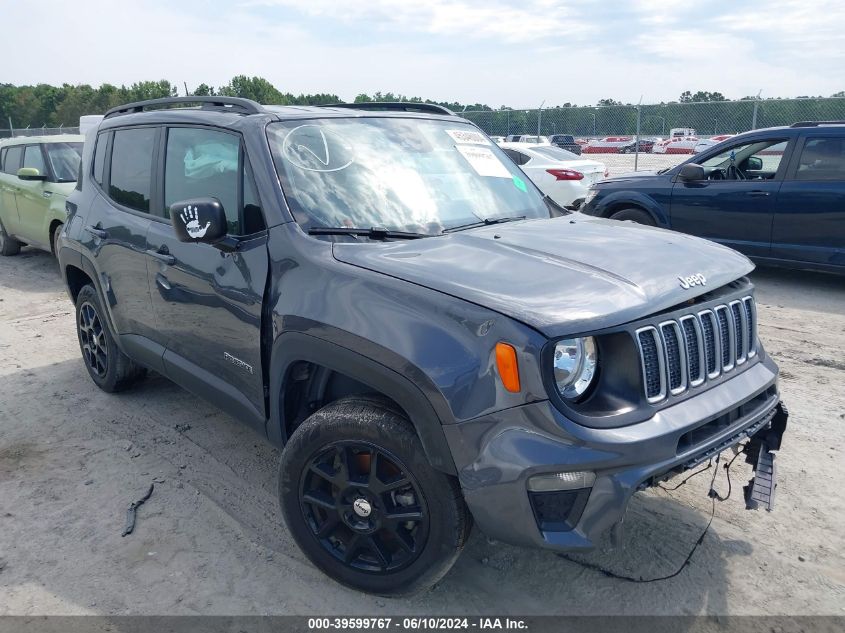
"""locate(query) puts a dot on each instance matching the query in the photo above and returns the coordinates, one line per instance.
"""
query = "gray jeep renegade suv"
(379, 291)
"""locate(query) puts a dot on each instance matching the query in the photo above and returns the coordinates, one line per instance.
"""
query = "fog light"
(548, 482)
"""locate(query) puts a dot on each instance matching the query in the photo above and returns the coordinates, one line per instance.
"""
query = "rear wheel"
(634, 215)
(364, 504)
(107, 365)
(8, 245)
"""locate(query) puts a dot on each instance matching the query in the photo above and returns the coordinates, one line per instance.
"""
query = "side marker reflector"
(508, 368)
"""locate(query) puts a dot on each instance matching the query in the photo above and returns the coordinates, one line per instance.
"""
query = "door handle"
(162, 255)
(97, 232)
(758, 194)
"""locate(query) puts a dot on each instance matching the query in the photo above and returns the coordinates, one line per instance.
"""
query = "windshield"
(64, 159)
(555, 153)
(400, 174)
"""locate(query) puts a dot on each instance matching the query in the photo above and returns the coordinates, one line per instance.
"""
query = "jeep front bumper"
(497, 455)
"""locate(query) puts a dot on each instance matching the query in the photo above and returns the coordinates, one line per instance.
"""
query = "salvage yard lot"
(210, 540)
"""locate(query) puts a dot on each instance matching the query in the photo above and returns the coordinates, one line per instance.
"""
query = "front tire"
(8, 245)
(634, 215)
(363, 503)
(109, 368)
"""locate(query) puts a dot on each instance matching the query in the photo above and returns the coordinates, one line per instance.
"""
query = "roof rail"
(816, 123)
(234, 104)
(398, 106)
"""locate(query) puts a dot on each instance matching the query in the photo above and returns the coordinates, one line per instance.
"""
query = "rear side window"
(131, 168)
(822, 159)
(518, 157)
(13, 160)
(33, 157)
(100, 157)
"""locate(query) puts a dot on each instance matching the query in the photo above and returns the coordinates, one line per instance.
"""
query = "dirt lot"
(211, 541)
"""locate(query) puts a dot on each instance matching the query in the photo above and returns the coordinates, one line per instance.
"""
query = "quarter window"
(822, 159)
(13, 160)
(34, 158)
(2, 158)
(100, 157)
(131, 168)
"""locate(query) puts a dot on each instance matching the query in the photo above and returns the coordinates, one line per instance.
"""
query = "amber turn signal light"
(508, 369)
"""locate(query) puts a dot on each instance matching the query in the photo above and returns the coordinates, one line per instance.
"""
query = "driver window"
(203, 163)
(750, 161)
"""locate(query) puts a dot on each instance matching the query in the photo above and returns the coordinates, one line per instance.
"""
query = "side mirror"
(691, 171)
(753, 163)
(199, 220)
(30, 173)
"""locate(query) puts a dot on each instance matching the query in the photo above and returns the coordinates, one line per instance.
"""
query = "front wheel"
(364, 504)
(634, 215)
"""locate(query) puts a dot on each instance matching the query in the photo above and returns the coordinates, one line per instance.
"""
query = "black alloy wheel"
(364, 508)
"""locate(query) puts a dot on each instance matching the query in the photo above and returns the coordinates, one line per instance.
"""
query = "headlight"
(575, 364)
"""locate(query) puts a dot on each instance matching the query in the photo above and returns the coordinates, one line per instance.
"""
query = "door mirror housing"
(199, 220)
(753, 163)
(30, 173)
(691, 171)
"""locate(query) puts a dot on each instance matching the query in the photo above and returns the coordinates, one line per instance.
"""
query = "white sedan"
(561, 175)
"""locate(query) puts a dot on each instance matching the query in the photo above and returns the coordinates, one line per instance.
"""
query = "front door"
(9, 181)
(207, 302)
(734, 205)
(809, 222)
(33, 198)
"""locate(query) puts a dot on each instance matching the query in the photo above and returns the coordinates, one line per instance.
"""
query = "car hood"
(561, 276)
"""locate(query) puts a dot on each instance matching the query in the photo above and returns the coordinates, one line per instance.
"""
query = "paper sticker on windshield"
(468, 136)
(483, 161)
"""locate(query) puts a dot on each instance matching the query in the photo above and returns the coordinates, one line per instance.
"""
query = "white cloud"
(492, 52)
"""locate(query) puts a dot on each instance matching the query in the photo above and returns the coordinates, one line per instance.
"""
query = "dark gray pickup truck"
(380, 291)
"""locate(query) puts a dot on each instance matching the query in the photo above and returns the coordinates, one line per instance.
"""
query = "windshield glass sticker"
(468, 136)
(483, 161)
(519, 183)
(317, 148)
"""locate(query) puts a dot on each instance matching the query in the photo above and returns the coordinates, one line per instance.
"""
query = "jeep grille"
(687, 351)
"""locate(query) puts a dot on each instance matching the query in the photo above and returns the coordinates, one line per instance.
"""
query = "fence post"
(637, 138)
(754, 116)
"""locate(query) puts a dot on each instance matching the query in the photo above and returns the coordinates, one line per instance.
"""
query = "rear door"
(116, 228)
(208, 301)
(809, 218)
(735, 205)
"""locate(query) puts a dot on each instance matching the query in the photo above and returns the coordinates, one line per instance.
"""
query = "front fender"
(293, 347)
(614, 201)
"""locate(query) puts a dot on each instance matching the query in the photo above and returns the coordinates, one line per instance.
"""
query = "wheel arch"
(635, 200)
(305, 366)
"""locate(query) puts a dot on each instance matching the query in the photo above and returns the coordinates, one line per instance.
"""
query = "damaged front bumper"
(502, 458)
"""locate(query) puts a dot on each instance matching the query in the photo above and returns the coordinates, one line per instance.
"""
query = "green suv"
(36, 176)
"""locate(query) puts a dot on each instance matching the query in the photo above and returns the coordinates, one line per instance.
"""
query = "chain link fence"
(37, 131)
(644, 137)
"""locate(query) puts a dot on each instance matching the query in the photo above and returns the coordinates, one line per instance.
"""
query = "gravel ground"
(210, 539)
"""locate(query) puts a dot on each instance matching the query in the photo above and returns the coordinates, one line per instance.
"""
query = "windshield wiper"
(484, 222)
(374, 232)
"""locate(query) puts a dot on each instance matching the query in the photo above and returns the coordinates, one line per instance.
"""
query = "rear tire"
(345, 476)
(8, 245)
(634, 215)
(109, 368)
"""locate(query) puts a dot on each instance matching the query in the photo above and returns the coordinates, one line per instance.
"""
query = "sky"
(488, 51)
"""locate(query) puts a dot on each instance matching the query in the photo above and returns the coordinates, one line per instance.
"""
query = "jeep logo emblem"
(692, 280)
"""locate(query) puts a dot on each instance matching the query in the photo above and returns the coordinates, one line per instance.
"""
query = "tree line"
(44, 105)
